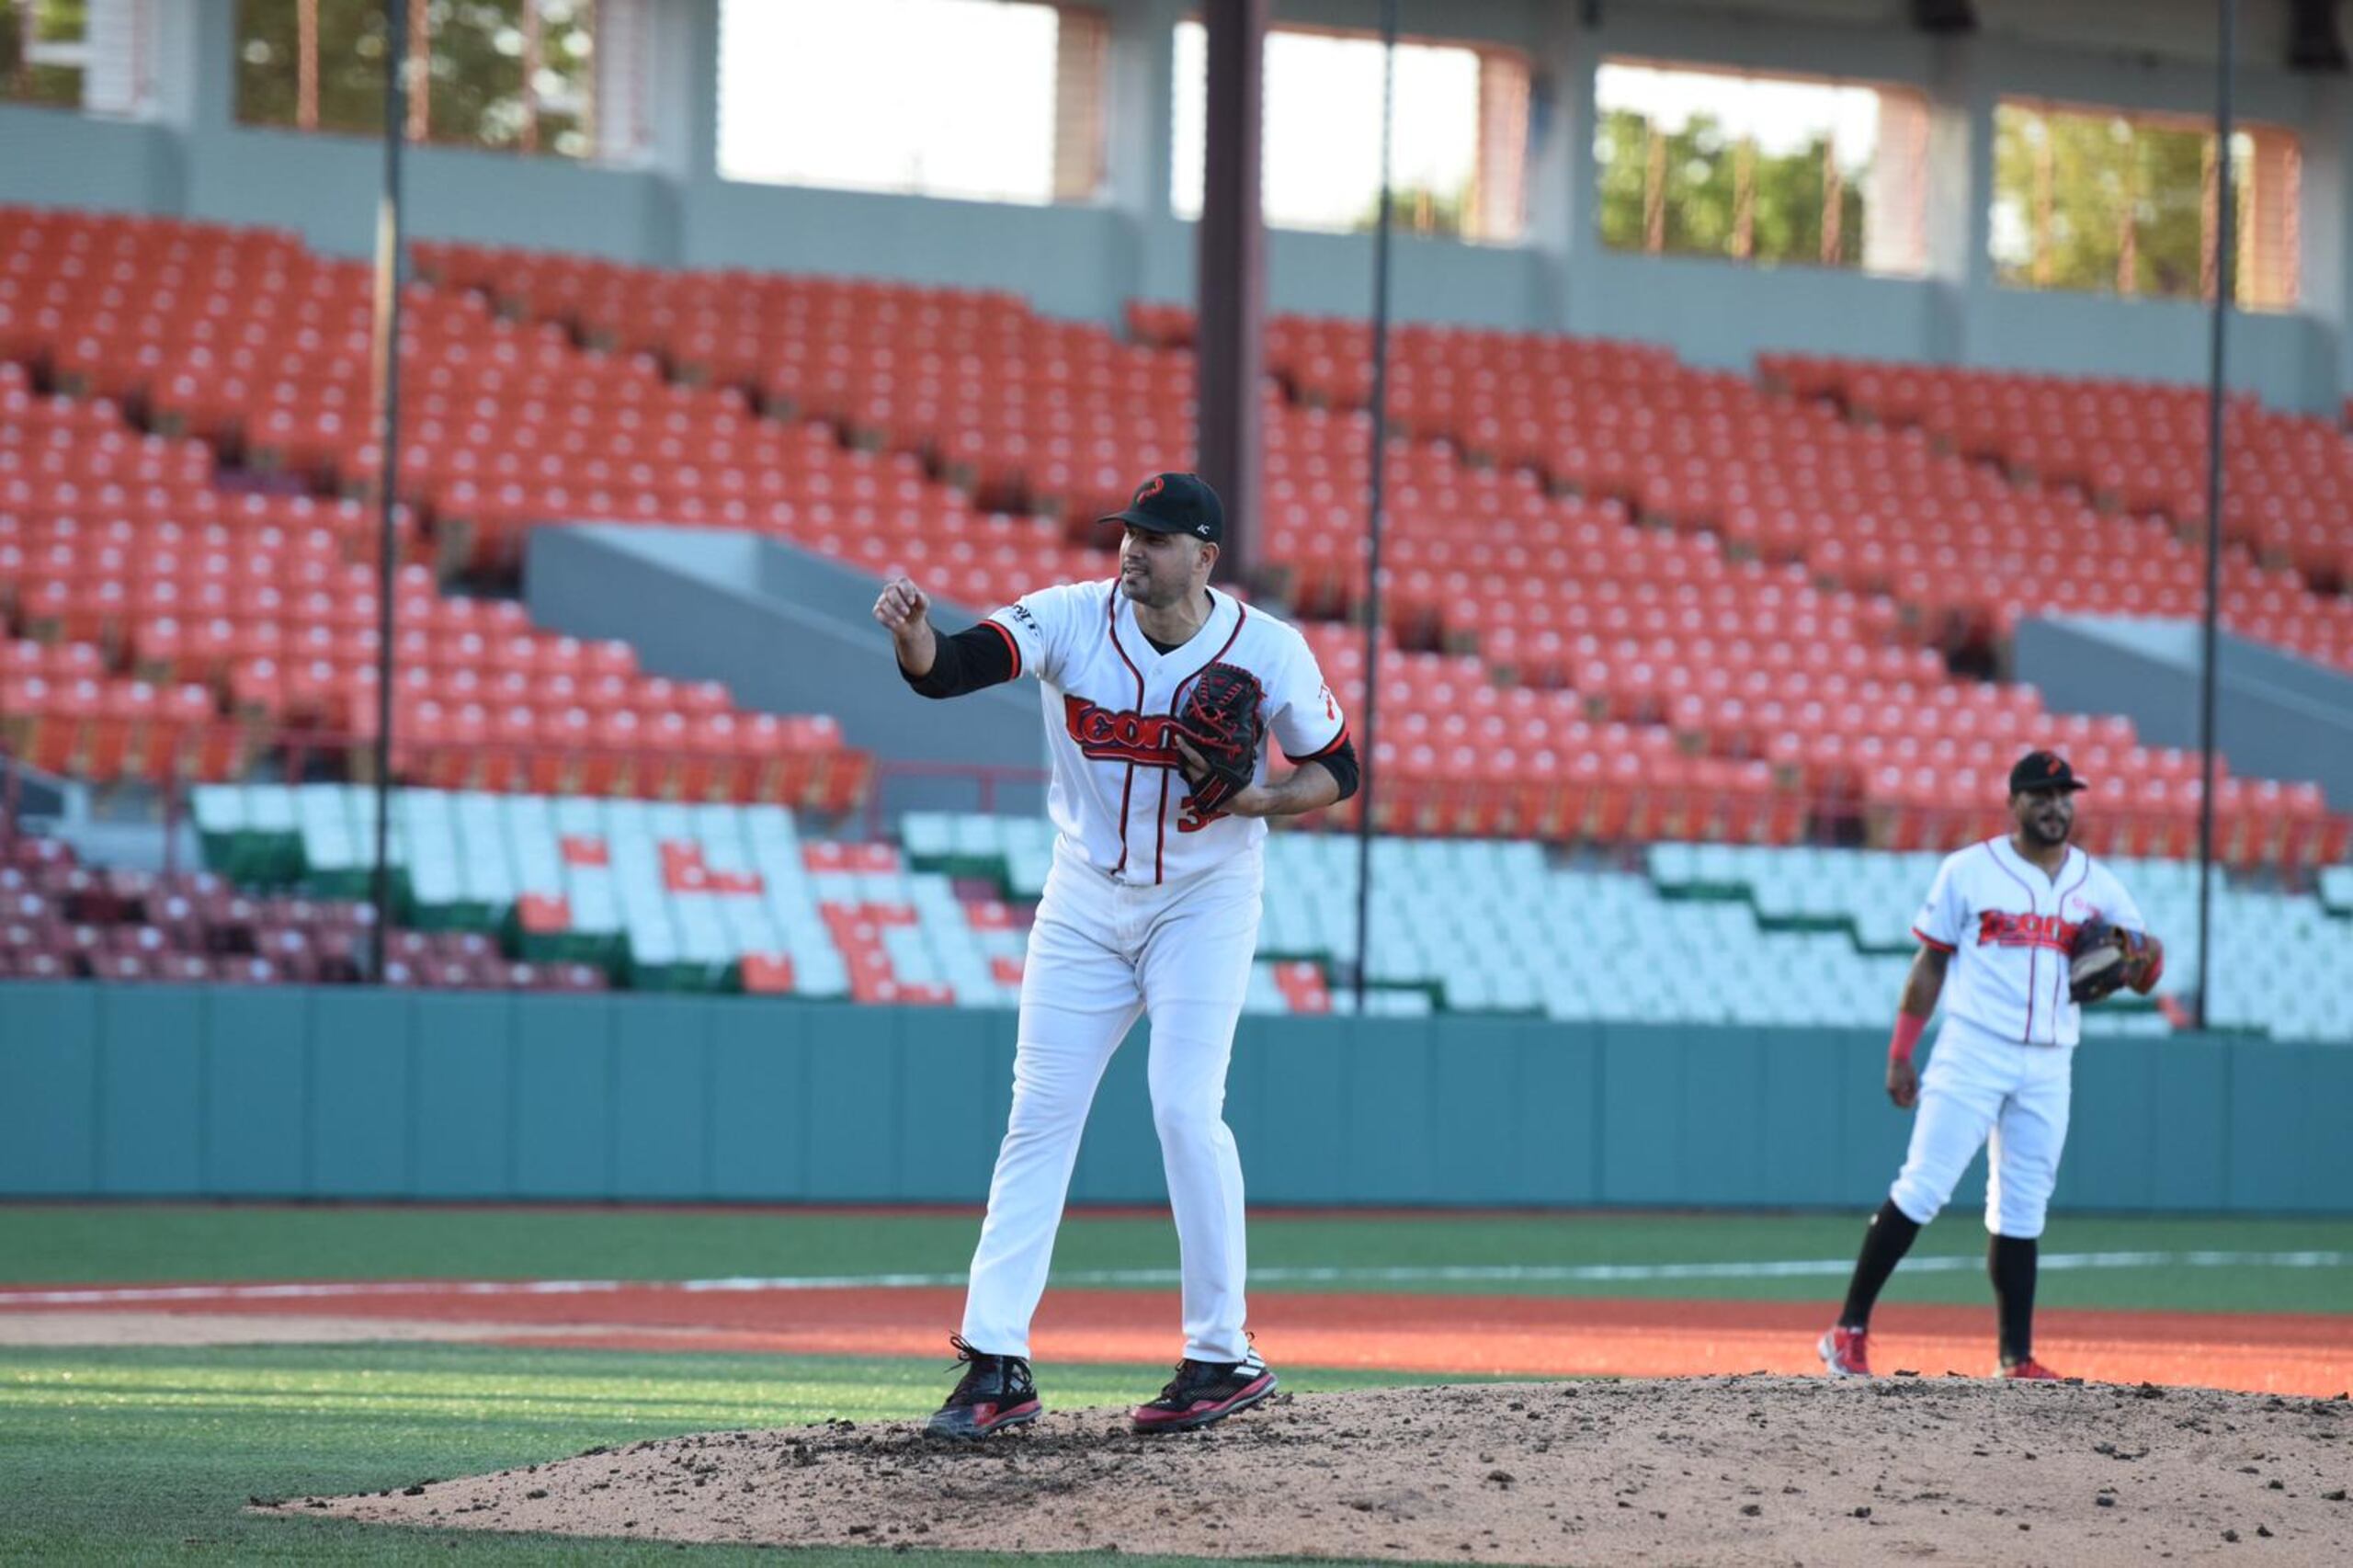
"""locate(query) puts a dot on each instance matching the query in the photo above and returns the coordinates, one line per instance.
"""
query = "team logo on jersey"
(1108, 735)
(1997, 929)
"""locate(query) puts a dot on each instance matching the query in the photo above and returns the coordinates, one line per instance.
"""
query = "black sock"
(2010, 1262)
(1889, 1237)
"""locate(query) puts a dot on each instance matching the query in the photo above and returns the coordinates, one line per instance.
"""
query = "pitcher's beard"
(2053, 835)
(1142, 591)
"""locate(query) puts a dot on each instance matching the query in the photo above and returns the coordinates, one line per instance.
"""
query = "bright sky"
(950, 98)
(1323, 129)
(956, 98)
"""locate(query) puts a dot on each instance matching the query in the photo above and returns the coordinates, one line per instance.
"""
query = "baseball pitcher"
(2030, 929)
(1160, 694)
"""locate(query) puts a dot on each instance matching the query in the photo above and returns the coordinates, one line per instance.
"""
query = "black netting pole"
(387, 410)
(1368, 740)
(2226, 230)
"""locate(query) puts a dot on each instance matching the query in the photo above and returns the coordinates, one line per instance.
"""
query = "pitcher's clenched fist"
(904, 611)
(901, 604)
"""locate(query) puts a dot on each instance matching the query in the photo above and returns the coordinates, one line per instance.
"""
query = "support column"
(1232, 278)
(196, 65)
(1561, 228)
(677, 79)
(2325, 225)
(680, 77)
(1960, 176)
(1149, 258)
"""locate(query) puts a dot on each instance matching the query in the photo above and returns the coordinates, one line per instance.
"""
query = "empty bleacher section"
(225, 616)
(1632, 603)
(1891, 554)
(60, 920)
(529, 892)
(1752, 688)
(2133, 448)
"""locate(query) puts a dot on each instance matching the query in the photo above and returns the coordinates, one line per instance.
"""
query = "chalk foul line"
(1456, 1274)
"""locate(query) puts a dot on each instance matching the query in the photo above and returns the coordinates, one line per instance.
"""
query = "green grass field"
(42, 1244)
(128, 1455)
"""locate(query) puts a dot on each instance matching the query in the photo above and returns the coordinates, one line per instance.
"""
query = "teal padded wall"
(237, 1093)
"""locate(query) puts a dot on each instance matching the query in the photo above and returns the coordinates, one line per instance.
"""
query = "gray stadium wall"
(233, 1092)
(2276, 716)
(1088, 259)
(712, 604)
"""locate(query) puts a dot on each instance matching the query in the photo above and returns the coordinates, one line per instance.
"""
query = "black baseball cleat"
(994, 1393)
(1203, 1391)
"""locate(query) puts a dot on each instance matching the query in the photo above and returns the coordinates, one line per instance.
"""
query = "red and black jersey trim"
(1127, 788)
(1011, 647)
(1337, 743)
(1928, 941)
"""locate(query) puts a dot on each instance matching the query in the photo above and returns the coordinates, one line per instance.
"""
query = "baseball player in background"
(2030, 928)
(1158, 693)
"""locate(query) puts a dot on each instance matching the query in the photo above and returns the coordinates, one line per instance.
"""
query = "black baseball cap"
(1174, 503)
(2044, 771)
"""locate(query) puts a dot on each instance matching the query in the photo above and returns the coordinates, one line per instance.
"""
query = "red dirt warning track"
(1512, 1335)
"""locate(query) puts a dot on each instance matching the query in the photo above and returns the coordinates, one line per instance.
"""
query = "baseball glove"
(1220, 719)
(2104, 959)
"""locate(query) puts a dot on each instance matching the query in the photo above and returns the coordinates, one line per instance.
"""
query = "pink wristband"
(1907, 1034)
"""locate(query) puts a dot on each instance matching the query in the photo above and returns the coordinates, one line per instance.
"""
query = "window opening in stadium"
(514, 75)
(2105, 201)
(1461, 137)
(987, 101)
(1769, 169)
(44, 50)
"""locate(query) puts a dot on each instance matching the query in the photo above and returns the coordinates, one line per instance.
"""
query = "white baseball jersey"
(1118, 795)
(2010, 926)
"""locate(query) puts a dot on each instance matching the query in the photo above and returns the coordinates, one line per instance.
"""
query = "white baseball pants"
(1980, 1087)
(1101, 954)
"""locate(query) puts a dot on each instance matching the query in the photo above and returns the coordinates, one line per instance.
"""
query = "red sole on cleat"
(959, 1425)
(1148, 1420)
(1829, 1355)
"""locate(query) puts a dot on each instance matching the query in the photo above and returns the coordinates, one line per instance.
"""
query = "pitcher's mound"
(1696, 1470)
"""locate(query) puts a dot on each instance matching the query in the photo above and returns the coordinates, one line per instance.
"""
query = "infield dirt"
(1686, 1470)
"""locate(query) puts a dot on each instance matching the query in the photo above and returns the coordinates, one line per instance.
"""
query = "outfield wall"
(234, 1092)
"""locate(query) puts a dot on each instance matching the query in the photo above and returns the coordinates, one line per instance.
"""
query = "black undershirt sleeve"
(1341, 764)
(977, 657)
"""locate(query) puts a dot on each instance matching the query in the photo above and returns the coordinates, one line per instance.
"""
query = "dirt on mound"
(1690, 1470)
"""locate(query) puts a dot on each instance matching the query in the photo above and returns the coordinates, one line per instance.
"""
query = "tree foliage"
(2071, 190)
(474, 84)
(1699, 177)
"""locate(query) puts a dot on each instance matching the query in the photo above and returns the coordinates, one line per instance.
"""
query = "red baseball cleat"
(994, 1393)
(1845, 1352)
(2029, 1372)
(1204, 1391)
